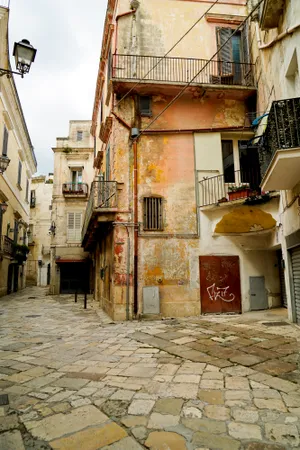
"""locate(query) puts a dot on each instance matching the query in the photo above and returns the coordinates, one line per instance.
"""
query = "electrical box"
(151, 300)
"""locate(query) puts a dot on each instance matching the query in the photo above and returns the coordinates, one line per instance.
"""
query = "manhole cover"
(31, 298)
(34, 315)
(275, 324)
(4, 399)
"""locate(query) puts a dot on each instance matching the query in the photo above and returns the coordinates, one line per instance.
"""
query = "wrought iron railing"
(7, 245)
(75, 189)
(225, 188)
(182, 70)
(103, 196)
(282, 132)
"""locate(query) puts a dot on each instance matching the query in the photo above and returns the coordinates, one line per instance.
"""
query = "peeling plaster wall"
(159, 24)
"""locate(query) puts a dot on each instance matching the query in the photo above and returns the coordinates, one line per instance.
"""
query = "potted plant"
(237, 192)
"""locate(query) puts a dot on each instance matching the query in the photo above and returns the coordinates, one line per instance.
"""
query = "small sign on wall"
(151, 302)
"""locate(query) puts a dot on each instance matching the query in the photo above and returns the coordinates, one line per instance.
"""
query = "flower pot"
(236, 195)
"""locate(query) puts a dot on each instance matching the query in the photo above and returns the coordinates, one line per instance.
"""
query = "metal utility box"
(151, 301)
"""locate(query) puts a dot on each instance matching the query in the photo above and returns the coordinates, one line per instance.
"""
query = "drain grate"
(275, 324)
(34, 315)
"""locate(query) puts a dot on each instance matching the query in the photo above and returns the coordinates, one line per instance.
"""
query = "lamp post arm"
(9, 73)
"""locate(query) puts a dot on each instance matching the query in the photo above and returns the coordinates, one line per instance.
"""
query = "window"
(74, 226)
(107, 163)
(79, 135)
(5, 141)
(16, 231)
(153, 213)
(77, 176)
(228, 162)
(145, 106)
(32, 199)
(27, 190)
(19, 174)
(30, 234)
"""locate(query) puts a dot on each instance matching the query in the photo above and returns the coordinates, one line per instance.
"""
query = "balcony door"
(76, 180)
(249, 165)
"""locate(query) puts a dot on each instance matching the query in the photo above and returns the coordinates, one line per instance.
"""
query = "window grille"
(153, 213)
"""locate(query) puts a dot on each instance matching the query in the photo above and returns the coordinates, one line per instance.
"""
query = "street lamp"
(4, 161)
(24, 54)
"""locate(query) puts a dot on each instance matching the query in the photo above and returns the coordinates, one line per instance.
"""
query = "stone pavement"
(70, 379)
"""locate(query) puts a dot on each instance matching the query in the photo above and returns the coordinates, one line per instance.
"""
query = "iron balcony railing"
(7, 245)
(182, 70)
(283, 129)
(103, 196)
(282, 132)
(75, 189)
(228, 187)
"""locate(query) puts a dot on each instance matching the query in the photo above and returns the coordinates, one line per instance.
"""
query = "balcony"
(7, 247)
(216, 190)
(271, 14)
(281, 148)
(78, 190)
(179, 71)
(101, 207)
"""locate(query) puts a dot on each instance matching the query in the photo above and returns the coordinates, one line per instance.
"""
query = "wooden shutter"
(245, 44)
(77, 226)
(74, 226)
(27, 190)
(5, 141)
(225, 53)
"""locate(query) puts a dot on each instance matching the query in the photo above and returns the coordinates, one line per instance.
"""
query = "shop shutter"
(295, 253)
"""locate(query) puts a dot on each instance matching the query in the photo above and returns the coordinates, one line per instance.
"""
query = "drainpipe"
(136, 228)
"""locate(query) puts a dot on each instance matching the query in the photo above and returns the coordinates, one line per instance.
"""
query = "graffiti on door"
(215, 293)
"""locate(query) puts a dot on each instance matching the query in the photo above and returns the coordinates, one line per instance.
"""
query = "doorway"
(258, 294)
(220, 284)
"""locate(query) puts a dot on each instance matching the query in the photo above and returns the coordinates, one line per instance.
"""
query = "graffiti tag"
(215, 293)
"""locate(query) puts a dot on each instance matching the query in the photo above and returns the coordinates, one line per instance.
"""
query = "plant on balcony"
(237, 192)
(20, 252)
(258, 199)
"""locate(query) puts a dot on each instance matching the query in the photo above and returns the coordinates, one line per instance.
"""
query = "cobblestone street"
(75, 380)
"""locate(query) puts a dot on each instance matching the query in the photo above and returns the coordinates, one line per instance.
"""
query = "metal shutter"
(295, 253)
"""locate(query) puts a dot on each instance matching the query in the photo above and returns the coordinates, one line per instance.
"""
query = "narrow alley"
(72, 379)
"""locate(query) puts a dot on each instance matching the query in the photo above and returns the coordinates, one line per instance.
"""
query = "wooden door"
(220, 284)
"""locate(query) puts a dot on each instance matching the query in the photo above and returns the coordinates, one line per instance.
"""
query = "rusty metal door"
(220, 284)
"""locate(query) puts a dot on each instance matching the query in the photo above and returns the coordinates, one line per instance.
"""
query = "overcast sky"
(61, 83)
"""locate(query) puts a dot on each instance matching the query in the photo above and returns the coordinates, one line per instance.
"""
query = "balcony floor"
(284, 171)
(147, 87)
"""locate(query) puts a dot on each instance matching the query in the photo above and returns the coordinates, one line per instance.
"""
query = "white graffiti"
(216, 293)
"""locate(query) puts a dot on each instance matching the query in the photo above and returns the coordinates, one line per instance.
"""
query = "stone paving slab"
(209, 383)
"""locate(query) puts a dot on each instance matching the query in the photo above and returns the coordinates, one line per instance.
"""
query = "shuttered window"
(74, 227)
(153, 213)
(5, 141)
(27, 190)
(225, 54)
(19, 173)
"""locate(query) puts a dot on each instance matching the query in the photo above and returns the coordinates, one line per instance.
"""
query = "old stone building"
(176, 221)
(39, 237)
(73, 173)
(275, 38)
(17, 150)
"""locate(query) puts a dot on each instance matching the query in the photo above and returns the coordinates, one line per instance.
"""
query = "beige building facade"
(73, 173)
(275, 47)
(176, 223)
(39, 237)
(15, 182)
